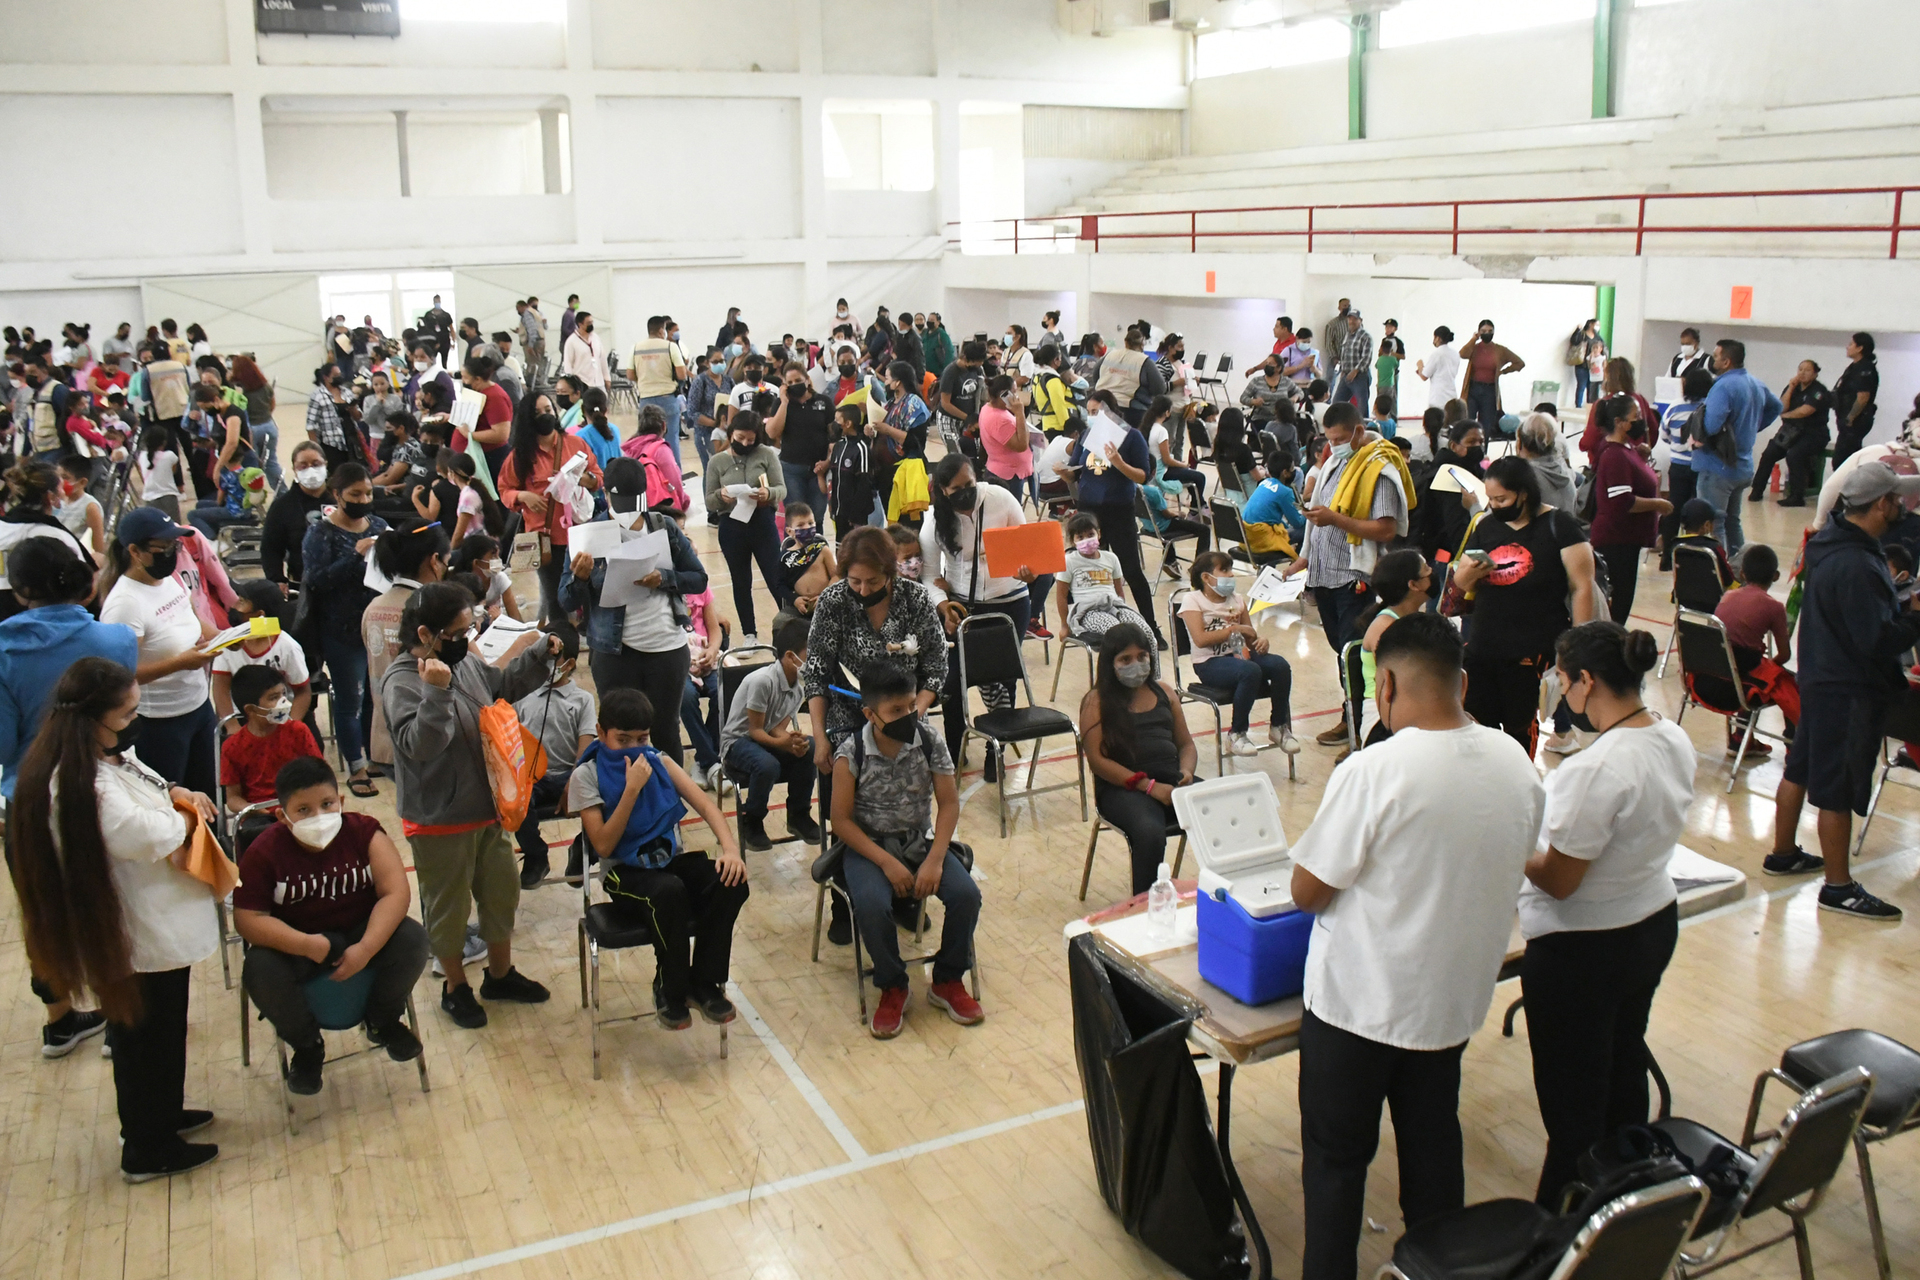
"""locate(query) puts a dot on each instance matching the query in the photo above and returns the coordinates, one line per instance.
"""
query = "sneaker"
(397, 1039)
(716, 1008)
(58, 1039)
(803, 825)
(303, 1073)
(1850, 899)
(1159, 642)
(674, 1017)
(472, 950)
(748, 638)
(181, 1157)
(959, 1004)
(1281, 736)
(889, 1013)
(753, 834)
(576, 864)
(534, 874)
(458, 1003)
(193, 1122)
(1793, 502)
(1565, 744)
(839, 923)
(1332, 737)
(713, 777)
(515, 986)
(1240, 744)
(1756, 750)
(1796, 862)
(1038, 631)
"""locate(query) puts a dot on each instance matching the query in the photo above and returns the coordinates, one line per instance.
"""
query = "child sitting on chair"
(323, 894)
(883, 778)
(253, 754)
(1696, 530)
(630, 799)
(761, 746)
(1752, 617)
(1091, 594)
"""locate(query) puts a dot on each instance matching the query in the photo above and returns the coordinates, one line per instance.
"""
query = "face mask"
(1340, 452)
(452, 652)
(718, 366)
(163, 565)
(963, 499)
(357, 510)
(278, 713)
(545, 424)
(741, 448)
(1687, 349)
(1473, 456)
(318, 831)
(311, 478)
(804, 533)
(1638, 431)
(910, 567)
(235, 618)
(125, 739)
(423, 365)
(1088, 547)
(1219, 588)
(905, 729)
(846, 371)
(1507, 514)
(1132, 674)
(870, 599)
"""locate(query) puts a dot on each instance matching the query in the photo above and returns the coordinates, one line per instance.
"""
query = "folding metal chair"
(1696, 586)
(1101, 824)
(1902, 726)
(989, 649)
(1711, 680)
(1207, 695)
(735, 666)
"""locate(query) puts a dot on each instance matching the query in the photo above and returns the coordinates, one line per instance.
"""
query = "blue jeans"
(211, 516)
(669, 405)
(1248, 677)
(872, 895)
(1355, 390)
(266, 443)
(1582, 385)
(804, 486)
(760, 769)
(1726, 495)
(701, 733)
(352, 698)
(701, 445)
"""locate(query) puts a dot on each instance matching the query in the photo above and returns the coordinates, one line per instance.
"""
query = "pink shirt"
(996, 429)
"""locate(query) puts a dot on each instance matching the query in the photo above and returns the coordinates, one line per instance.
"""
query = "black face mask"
(452, 652)
(357, 510)
(1507, 514)
(163, 565)
(1579, 720)
(741, 448)
(126, 738)
(546, 424)
(235, 618)
(905, 729)
(870, 599)
(1638, 431)
(1473, 457)
(846, 371)
(964, 499)
(564, 402)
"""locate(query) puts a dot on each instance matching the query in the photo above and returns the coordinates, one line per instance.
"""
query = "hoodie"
(36, 648)
(1556, 482)
(440, 767)
(1852, 630)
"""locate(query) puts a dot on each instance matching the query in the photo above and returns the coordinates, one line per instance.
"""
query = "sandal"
(362, 787)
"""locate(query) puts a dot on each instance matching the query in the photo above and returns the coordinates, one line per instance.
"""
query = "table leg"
(1233, 1177)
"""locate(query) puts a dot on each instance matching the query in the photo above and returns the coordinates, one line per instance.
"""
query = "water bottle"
(1162, 901)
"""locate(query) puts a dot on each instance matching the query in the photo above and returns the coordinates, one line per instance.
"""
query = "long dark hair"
(1517, 476)
(492, 518)
(524, 439)
(1393, 580)
(594, 405)
(1116, 711)
(69, 907)
(946, 521)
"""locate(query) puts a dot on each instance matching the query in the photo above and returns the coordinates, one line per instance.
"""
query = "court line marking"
(798, 1182)
(798, 1078)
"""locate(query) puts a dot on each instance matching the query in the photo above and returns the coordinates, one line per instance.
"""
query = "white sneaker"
(1240, 744)
(713, 779)
(749, 639)
(471, 950)
(1565, 744)
(1281, 736)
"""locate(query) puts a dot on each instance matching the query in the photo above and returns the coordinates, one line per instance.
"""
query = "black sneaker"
(303, 1073)
(715, 1008)
(397, 1039)
(458, 1003)
(753, 834)
(534, 874)
(58, 1039)
(1851, 900)
(674, 1017)
(1796, 862)
(181, 1157)
(839, 923)
(193, 1122)
(515, 986)
(906, 913)
(576, 864)
(803, 825)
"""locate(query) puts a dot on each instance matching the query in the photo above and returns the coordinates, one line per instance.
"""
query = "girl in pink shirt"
(1003, 430)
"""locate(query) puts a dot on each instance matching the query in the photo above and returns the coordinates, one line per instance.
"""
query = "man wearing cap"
(1852, 630)
(1355, 348)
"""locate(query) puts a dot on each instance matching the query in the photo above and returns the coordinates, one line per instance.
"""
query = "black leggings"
(743, 542)
(150, 1066)
(1120, 534)
(1504, 694)
(1623, 574)
(661, 676)
(1143, 820)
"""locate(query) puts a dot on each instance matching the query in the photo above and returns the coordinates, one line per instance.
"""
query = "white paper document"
(596, 539)
(1271, 588)
(567, 478)
(631, 561)
(744, 501)
(466, 409)
(499, 638)
(1101, 432)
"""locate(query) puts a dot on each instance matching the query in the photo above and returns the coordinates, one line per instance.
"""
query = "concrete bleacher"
(1861, 144)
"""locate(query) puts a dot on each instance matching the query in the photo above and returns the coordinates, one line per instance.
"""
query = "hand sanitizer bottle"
(1162, 901)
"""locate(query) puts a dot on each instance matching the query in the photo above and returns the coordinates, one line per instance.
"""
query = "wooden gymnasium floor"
(815, 1150)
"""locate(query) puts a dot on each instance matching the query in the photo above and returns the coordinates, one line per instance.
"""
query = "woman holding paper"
(106, 907)
(1112, 462)
(744, 486)
(542, 452)
(334, 554)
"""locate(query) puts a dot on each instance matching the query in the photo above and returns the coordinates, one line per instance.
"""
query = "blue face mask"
(1341, 452)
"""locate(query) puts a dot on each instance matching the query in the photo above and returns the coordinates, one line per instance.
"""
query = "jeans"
(1582, 385)
(872, 895)
(1727, 494)
(1340, 608)
(266, 443)
(1249, 677)
(1483, 406)
(742, 543)
(804, 486)
(553, 614)
(702, 732)
(761, 769)
(210, 516)
(702, 445)
(533, 846)
(276, 981)
(661, 676)
(1143, 821)
(1343, 1080)
(683, 903)
(347, 667)
(668, 404)
(184, 749)
(1354, 390)
(150, 1067)
(1680, 489)
(1589, 994)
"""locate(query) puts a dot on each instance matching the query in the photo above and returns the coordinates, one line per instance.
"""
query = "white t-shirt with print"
(162, 617)
(1213, 615)
(283, 655)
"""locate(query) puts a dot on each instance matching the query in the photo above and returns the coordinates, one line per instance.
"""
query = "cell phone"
(1479, 557)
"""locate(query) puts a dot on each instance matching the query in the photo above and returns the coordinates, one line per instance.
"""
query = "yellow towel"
(1353, 496)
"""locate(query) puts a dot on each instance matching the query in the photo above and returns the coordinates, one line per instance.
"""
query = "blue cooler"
(1253, 943)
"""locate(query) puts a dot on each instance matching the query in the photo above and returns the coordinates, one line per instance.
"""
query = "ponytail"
(1617, 657)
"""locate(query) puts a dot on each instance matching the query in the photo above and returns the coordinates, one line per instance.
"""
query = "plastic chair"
(989, 649)
(602, 928)
(337, 1006)
(1696, 586)
(1893, 1110)
(826, 874)
(1902, 726)
(1635, 1237)
(733, 673)
(1101, 824)
(1711, 680)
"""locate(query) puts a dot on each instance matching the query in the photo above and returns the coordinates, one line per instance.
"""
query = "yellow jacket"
(1353, 496)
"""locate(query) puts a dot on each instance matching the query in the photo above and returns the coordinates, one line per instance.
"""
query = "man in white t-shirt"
(1415, 897)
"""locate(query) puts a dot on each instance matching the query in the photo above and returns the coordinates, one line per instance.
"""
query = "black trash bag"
(1154, 1151)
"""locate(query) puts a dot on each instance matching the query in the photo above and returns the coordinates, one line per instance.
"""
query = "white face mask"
(278, 713)
(1687, 349)
(313, 478)
(423, 365)
(318, 831)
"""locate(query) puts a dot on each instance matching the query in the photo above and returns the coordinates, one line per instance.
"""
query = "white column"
(249, 140)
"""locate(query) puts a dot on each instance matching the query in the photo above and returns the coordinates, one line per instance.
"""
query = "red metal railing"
(976, 236)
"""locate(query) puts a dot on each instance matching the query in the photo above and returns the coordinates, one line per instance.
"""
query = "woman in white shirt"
(1598, 910)
(177, 719)
(1440, 368)
(107, 907)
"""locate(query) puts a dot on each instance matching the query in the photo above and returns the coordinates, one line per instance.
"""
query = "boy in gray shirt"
(760, 747)
(562, 717)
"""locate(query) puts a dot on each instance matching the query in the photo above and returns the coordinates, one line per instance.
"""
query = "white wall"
(314, 158)
(91, 32)
(769, 296)
(453, 45)
(449, 157)
(1268, 110)
(1533, 77)
(678, 200)
(47, 310)
(739, 35)
(863, 36)
(898, 286)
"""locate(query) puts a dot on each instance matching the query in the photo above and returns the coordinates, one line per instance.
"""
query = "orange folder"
(202, 857)
(1041, 546)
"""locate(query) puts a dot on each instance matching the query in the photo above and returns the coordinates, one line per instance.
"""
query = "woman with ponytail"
(599, 434)
(1598, 909)
(105, 909)
(33, 487)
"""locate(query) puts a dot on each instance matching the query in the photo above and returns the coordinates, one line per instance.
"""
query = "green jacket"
(938, 349)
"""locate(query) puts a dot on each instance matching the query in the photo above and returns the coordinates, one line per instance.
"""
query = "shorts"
(1836, 747)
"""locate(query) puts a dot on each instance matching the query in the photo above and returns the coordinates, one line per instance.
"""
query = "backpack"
(515, 761)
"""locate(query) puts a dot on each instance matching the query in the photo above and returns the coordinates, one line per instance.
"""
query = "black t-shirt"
(804, 440)
(963, 385)
(1814, 394)
(1861, 375)
(1520, 608)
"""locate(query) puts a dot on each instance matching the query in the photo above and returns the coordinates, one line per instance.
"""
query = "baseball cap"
(1871, 481)
(144, 524)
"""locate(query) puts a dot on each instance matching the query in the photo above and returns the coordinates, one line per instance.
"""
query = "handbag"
(1720, 444)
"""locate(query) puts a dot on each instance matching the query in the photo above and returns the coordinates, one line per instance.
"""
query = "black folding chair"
(1696, 586)
(1207, 695)
(735, 666)
(1711, 680)
(989, 649)
(1902, 726)
(1353, 690)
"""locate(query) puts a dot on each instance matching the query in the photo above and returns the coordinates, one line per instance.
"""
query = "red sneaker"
(1038, 630)
(887, 1015)
(960, 1006)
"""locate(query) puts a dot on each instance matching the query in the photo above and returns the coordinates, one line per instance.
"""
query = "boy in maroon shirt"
(323, 894)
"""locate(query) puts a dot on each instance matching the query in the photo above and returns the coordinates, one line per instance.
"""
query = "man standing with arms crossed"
(1356, 363)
